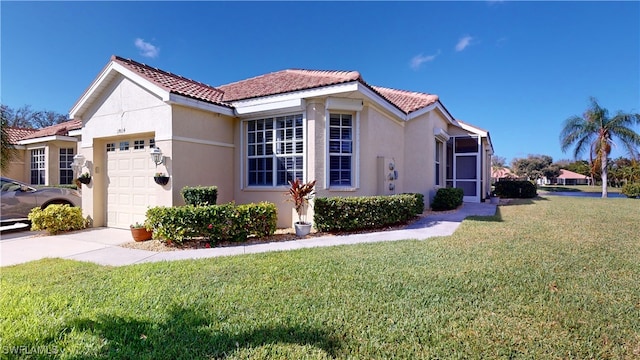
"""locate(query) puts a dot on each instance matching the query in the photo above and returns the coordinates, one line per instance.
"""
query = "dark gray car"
(19, 198)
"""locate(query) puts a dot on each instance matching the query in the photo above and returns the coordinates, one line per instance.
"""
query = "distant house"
(501, 173)
(44, 156)
(567, 177)
(250, 137)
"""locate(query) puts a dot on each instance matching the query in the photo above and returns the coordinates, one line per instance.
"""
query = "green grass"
(544, 278)
(577, 188)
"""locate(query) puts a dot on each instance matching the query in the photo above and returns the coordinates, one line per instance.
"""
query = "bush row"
(365, 212)
(200, 195)
(447, 199)
(631, 190)
(516, 189)
(57, 218)
(215, 223)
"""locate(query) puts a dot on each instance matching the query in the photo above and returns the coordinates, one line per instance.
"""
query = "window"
(124, 145)
(152, 143)
(275, 148)
(111, 147)
(340, 149)
(66, 171)
(37, 167)
(438, 161)
(138, 144)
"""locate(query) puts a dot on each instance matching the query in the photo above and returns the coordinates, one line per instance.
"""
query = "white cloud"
(463, 42)
(147, 49)
(418, 60)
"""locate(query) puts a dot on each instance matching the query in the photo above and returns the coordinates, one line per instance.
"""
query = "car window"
(10, 186)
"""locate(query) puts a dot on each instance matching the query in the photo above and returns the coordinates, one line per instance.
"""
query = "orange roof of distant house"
(57, 129)
(502, 173)
(566, 174)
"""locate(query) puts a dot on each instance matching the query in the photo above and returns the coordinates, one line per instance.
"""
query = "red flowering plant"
(300, 193)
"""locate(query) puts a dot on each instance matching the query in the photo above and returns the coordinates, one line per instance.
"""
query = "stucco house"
(250, 137)
(44, 156)
(567, 177)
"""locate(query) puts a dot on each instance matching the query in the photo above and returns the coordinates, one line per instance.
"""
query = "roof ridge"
(116, 57)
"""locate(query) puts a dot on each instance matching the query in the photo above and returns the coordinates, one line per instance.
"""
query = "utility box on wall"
(387, 175)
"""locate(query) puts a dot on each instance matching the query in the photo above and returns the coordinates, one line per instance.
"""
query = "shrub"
(200, 195)
(631, 190)
(447, 199)
(57, 218)
(418, 206)
(365, 212)
(226, 222)
(516, 189)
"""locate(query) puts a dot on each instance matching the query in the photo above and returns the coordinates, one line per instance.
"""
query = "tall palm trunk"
(603, 171)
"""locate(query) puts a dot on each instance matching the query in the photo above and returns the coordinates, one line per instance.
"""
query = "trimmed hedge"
(216, 223)
(365, 212)
(631, 190)
(56, 218)
(447, 199)
(516, 189)
(200, 195)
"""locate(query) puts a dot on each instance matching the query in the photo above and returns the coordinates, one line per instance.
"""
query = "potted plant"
(140, 231)
(85, 178)
(300, 194)
(161, 178)
(495, 199)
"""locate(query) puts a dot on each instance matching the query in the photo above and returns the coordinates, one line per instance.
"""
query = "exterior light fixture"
(78, 162)
(156, 156)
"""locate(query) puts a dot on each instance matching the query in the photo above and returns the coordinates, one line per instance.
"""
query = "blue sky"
(517, 69)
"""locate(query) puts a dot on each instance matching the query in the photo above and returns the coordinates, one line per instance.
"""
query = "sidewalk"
(101, 245)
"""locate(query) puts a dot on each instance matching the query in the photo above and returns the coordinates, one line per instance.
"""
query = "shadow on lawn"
(187, 334)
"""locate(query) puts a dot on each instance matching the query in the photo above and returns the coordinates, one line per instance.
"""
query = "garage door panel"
(130, 191)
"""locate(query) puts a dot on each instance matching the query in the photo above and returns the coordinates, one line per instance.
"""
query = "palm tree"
(595, 130)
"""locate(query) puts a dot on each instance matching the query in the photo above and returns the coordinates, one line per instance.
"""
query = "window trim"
(44, 165)
(355, 151)
(244, 156)
(70, 168)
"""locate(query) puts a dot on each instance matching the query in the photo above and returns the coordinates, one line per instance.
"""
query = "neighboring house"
(44, 156)
(567, 177)
(249, 138)
(502, 173)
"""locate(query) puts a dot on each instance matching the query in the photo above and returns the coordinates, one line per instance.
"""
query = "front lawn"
(552, 277)
(578, 188)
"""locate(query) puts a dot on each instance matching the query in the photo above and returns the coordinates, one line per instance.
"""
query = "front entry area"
(463, 166)
(130, 186)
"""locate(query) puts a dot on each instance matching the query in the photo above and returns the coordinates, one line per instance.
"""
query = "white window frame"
(438, 163)
(343, 106)
(68, 162)
(354, 131)
(244, 151)
(40, 162)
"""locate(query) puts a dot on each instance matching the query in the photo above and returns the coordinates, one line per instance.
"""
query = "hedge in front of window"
(516, 189)
(364, 212)
(200, 195)
(447, 199)
(215, 223)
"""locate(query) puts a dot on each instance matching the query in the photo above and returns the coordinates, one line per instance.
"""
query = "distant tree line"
(26, 117)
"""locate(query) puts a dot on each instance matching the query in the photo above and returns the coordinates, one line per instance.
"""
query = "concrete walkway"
(101, 245)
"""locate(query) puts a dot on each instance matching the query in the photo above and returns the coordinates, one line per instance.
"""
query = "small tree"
(300, 194)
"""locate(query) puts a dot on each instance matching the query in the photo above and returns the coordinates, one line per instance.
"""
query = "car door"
(17, 200)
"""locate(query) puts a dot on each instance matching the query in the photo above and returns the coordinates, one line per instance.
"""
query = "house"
(250, 137)
(567, 177)
(502, 173)
(44, 156)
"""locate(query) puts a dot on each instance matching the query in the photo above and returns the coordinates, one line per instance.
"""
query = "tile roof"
(285, 81)
(500, 173)
(57, 129)
(407, 101)
(173, 83)
(566, 174)
(15, 134)
(275, 83)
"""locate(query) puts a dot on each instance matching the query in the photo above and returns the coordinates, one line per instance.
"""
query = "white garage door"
(130, 185)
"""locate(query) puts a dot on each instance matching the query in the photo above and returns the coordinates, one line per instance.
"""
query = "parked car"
(18, 198)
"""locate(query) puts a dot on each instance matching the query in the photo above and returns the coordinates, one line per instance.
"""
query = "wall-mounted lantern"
(156, 156)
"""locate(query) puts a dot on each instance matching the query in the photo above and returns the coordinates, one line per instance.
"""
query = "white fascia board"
(333, 103)
(77, 132)
(435, 105)
(198, 104)
(105, 76)
(440, 134)
(47, 139)
(384, 103)
(297, 104)
(472, 129)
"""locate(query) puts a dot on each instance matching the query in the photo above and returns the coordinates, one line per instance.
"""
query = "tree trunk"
(603, 170)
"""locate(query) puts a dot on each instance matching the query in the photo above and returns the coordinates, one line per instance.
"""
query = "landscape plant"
(56, 218)
(300, 194)
(447, 199)
(200, 195)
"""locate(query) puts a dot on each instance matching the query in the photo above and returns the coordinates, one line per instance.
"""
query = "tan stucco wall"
(17, 169)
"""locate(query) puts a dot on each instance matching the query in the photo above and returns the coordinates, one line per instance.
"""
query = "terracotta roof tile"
(407, 101)
(285, 81)
(15, 134)
(566, 174)
(174, 83)
(57, 129)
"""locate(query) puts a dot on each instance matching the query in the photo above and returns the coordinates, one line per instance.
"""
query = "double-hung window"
(340, 150)
(37, 167)
(438, 161)
(275, 150)
(66, 171)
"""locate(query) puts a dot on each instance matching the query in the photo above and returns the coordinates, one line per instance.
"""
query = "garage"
(130, 185)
